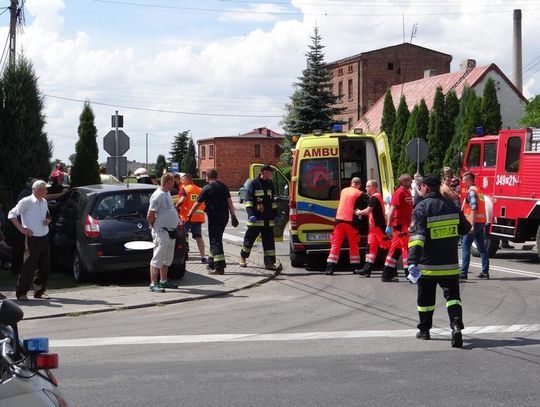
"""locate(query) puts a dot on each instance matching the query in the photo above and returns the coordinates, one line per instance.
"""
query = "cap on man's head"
(431, 181)
(267, 167)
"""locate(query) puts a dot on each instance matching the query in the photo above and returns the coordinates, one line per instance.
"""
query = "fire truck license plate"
(318, 236)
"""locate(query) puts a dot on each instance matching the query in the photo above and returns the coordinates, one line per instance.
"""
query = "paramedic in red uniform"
(351, 198)
(377, 226)
(399, 219)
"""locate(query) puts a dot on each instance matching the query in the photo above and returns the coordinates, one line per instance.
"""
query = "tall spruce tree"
(25, 150)
(491, 109)
(398, 132)
(85, 170)
(389, 114)
(417, 126)
(189, 163)
(312, 104)
(437, 132)
(471, 120)
(179, 147)
(161, 165)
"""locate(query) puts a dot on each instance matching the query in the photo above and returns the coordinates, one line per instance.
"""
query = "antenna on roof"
(404, 71)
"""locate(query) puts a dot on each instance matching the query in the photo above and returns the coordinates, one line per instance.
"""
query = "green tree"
(471, 120)
(531, 118)
(161, 165)
(389, 113)
(189, 163)
(436, 136)
(85, 170)
(491, 109)
(398, 132)
(179, 147)
(25, 150)
(71, 158)
(312, 102)
(404, 165)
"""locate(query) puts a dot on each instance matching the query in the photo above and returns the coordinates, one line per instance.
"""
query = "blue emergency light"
(479, 131)
(36, 345)
(337, 128)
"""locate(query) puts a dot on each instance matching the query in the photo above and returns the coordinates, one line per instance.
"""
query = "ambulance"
(324, 164)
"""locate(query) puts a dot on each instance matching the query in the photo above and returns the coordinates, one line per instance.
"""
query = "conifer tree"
(189, 163)
(437, 132)
(398, 132)
(410, 132)
(389, 114)
(161, 165)
(179, 147)
(491, 109)
(312, 103)
(25, 150)
(85, 170)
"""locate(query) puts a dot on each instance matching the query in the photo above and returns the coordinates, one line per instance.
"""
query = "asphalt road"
(306, 339)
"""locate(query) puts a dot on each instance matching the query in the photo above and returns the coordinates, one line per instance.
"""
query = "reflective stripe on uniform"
(440, 273)
(259, 223)
(246, 249)
(259, 192)
(426, 308)
(442, 217)
(416, 242)
(219, 257)
(248, 204)
(452, 302)
(274, 205)
(442, 229)
(269, 252)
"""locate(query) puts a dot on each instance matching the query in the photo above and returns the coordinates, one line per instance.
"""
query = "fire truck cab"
(324, 164)
(507, 168)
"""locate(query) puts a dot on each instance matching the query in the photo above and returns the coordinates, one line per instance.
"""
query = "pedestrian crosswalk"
(236, 235)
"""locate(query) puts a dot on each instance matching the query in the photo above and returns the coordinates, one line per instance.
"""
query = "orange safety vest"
(192, 193)
(481, 216)
(371, 219)
(348, 197)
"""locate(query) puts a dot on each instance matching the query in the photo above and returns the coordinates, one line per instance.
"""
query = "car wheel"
(176, 271)
(80, 274)
(297, 259)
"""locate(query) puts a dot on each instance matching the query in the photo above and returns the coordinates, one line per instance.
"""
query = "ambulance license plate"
(318, 236)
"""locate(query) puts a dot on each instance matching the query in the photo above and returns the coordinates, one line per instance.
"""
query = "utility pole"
(14, 11)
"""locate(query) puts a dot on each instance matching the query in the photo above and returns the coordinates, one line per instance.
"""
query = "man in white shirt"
(34, 225)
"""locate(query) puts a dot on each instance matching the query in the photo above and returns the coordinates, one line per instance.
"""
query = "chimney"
(428, 73)
(467, 64)
(517, 59)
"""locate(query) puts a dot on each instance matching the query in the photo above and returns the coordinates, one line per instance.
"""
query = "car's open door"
(387, 175)
(281, 185)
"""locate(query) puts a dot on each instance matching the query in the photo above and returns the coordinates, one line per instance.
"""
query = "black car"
(91, 226)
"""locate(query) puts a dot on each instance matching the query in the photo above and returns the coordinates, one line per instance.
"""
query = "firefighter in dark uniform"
(218, 204)
(262, 212)
(433, 256)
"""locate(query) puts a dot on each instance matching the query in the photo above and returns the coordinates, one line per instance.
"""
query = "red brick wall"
(374, 75)
(233, 155)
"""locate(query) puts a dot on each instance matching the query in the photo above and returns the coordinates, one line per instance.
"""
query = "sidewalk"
(196, 284)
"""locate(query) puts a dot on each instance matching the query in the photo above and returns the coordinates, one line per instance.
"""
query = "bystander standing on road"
(163, 220)
(433, 257)
(346, 226)
(187, 197)
(34, 225)
(399, 219)
(377, 238)
(448, 191)
(262, 213)
(474, 209)
(218, 204)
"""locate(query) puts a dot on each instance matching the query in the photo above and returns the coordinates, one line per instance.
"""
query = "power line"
(163, 110)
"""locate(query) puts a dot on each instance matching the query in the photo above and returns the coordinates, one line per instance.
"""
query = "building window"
(211, 151)
(390, 66)
(349, 69)
(277, 151)
(349, 123)
(257, 150)
(340, 91)
(350, 89)
(203, 174)
(340, 71)
(203, 151)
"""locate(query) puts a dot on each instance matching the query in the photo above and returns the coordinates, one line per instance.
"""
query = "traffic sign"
(417, 150)
(112, 166)
(174, 166)
(109, 143)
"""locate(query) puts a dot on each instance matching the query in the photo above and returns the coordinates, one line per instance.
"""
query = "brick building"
(360, 80)
(232, 155)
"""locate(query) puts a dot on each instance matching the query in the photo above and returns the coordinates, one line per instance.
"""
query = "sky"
(225, 67)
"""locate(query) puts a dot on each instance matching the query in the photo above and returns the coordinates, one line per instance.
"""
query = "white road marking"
(508, 270)
(233, 238)
(302, 336)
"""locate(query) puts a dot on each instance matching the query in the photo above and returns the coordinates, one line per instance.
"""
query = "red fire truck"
(507, 170)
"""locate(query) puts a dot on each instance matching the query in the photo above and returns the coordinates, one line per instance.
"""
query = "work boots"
(457, 337)
(365, 271)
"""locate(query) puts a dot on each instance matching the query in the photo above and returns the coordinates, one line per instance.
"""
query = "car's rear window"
(122, 204)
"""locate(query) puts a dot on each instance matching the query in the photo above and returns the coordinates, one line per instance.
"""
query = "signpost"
(417, 151)
(116, 143)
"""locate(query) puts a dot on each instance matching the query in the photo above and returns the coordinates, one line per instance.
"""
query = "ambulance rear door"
(385, 165)
(281, 185)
